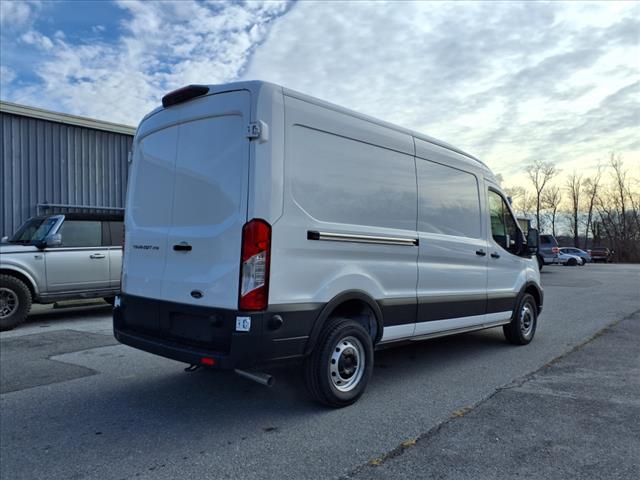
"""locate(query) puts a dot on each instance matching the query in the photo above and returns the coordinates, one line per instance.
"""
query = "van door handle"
(495, 255)
(182, 247)
(481, 252)
(96, 255)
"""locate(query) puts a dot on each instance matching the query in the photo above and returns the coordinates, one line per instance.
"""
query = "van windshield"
(33, 230)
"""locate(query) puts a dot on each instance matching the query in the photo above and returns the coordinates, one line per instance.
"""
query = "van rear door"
(193, 217)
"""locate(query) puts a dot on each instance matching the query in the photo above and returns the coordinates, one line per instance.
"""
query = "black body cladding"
(187, 333)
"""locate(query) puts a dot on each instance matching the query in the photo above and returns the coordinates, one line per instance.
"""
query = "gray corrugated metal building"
(52, 161)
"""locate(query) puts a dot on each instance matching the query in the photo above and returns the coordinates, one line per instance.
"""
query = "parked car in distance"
(548, 250)
(601, 254)
(569, 260)
(577, 252)
(59, 257)
(265, 225)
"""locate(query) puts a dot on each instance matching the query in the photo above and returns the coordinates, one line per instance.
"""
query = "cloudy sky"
(509, 82)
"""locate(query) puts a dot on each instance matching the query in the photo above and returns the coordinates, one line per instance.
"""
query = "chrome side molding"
(353, 238)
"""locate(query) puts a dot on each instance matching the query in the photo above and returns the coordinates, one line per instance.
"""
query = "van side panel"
(452, 265)
(345, 177)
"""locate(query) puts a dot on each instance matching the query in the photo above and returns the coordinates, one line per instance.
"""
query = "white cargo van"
(266, 225)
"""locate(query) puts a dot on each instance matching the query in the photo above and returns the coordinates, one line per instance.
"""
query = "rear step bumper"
(190, 333)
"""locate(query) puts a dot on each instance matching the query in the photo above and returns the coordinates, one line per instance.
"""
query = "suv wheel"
(523, 322)
(15, 302)
(341, 364)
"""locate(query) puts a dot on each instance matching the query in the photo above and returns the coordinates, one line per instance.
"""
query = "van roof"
(255, 86)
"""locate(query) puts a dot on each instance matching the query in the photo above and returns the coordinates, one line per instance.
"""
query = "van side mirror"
(533, 240)
(53, 240)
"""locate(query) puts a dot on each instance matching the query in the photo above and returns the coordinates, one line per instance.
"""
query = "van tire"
(522, 328)
(12, 290)
(341, 342)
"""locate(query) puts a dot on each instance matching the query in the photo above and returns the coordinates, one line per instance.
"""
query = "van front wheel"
(341, 364)
(522, 328)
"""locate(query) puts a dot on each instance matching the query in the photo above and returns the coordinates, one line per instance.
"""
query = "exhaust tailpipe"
(258, 377)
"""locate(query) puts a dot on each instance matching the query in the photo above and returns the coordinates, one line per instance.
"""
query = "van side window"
(503, 226)
(81, 233)
(448, 200)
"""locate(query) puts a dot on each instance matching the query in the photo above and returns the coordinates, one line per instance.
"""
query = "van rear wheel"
(523, 322)
(339, 368)
(15, 302)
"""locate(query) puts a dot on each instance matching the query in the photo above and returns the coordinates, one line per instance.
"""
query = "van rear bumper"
(189, 333)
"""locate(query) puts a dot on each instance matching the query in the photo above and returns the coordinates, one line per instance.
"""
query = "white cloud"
(509, 82)
(18, 13)
(32, 37)
(164, 45)
(7, 75)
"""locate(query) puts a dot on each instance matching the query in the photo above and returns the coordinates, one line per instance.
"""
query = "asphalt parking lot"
(75, 404)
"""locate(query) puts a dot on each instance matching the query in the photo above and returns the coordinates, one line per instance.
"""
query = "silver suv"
(59, 257)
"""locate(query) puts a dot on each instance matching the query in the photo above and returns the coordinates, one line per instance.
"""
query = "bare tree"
(617, 205)
(514, 193)
(574, 188)
(540, 173)
(521, 200)
(551, 199)
(590, 186)
(621, 190)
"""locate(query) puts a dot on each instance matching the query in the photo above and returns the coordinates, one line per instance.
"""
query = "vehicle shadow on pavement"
(206, 397)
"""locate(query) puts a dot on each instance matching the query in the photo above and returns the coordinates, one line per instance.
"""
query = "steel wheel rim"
(347, 364)
(527, 318)
(9, 302)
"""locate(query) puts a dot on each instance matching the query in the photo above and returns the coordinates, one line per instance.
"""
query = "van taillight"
(254, 266)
